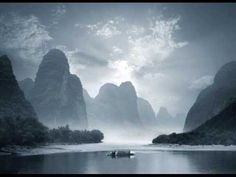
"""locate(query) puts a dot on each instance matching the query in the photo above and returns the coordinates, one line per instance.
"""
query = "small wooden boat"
(121, 153)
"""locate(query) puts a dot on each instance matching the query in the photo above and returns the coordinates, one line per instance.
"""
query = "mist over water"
(134, 136)
(131, 72)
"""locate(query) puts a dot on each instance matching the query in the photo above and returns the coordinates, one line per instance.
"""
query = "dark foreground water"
(143, 162)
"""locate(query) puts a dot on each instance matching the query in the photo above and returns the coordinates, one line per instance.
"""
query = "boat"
(121, 153)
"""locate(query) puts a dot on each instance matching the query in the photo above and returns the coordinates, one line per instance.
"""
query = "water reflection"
(118, 157)
(211, 161)
(143, 162)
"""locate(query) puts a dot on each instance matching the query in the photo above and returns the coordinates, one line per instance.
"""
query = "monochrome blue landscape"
(117, 88)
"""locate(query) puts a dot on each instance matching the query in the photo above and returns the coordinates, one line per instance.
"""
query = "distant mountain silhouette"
(163, 117)
(220, 129)
(57, 95)
(12, 100)
(26, 85)
(116, 106)
(213, 99)
(146, 113)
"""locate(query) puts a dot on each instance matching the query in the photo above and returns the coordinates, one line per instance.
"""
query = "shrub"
(65, 135)
(22, 131)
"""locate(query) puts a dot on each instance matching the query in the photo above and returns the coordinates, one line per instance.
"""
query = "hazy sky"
(169, 51)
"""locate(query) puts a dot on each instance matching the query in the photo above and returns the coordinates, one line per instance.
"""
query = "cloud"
(142, 45)
(157, 45)
(106, 29)
(150, 44)
(135, 46)
(90, 60)
(155, 76)
(117, 49)
(24, 35)
(78, 25)
(135, 30)
(201, 82)
(123, 71)
(57, 13)
(81, 60)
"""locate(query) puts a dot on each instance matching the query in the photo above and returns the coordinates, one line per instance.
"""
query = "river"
(92, 159)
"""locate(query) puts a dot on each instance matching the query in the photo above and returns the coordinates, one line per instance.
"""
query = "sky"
(169, 51)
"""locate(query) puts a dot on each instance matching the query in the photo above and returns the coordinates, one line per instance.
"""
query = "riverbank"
(38, 149)
(101, 147)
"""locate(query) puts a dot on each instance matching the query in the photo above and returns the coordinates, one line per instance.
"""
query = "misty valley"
(53, 122)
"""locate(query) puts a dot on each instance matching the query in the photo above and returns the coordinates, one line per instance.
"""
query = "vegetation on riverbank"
(30, 132)
(218, 130)
(65, 135)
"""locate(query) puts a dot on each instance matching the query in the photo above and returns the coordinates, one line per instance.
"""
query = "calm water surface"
(143, 162)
